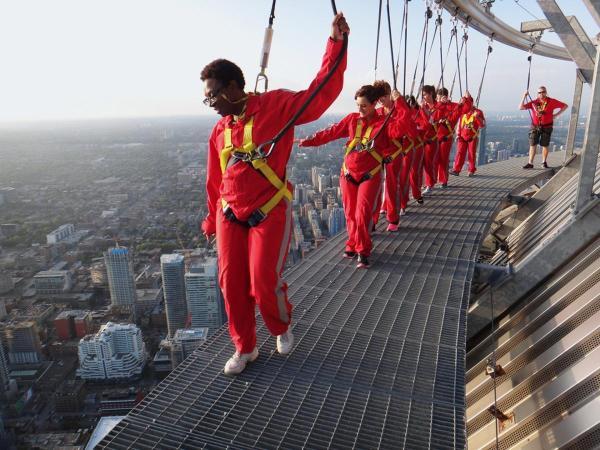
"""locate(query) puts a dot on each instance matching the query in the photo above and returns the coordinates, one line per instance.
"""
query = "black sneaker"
(528, 166)
(544, 165)
(363, 262)
(420, 201)
(349, 255)
(455, 173)
(471, 174)
(444, 186)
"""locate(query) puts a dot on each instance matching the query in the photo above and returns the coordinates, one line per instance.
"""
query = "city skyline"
(64, 65)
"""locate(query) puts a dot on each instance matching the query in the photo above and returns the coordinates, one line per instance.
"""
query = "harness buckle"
(256, 217)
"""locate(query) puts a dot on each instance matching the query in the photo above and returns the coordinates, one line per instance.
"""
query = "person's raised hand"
(339, 26)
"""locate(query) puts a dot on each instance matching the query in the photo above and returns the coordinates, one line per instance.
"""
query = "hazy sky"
(81, 59)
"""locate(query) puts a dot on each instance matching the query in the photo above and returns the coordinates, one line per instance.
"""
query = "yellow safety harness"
(401, 148)
(467, 122)
(247, 154)
(364, 142)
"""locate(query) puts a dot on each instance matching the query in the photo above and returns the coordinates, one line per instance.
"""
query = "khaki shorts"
(540, 135)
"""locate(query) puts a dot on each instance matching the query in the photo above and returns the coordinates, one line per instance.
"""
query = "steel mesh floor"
(379, 359)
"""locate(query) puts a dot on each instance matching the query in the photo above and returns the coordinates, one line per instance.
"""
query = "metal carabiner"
(261, 77)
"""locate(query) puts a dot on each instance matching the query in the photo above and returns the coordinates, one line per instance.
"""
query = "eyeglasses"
(212, 98)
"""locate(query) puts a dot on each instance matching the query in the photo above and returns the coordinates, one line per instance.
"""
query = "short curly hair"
(224, 71)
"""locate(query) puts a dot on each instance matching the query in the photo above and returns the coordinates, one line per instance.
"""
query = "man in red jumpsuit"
(445, 117)
(542, 120)
(469, 125)
(249, 198)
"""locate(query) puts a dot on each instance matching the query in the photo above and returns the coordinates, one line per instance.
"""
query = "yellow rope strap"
(261, 165)
(364, 140)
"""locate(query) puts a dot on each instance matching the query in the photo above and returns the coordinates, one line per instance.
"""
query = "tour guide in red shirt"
(249, 199)
(542, 117)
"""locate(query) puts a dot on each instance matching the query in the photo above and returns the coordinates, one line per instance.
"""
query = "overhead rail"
(487, 23)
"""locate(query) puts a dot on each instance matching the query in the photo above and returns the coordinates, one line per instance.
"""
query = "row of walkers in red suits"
(249, 197)
(372, 142)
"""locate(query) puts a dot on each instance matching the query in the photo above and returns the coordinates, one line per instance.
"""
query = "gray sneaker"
(237, 363)
(285, 342)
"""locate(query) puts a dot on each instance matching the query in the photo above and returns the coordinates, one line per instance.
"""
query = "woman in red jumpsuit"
(360, 179)
(424, 129)
(398, 163)
(469, 125)
(249, 198)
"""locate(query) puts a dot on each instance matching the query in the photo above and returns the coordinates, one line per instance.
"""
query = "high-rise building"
(4, 380)
(117, 351)
(204, 299)
(173, 276)
(121, 282)
(60, 234)
(185, 342)
(23, 343)
(324, 181)
(481, 153)
(72, 324)
(52, 282)
(337, 221)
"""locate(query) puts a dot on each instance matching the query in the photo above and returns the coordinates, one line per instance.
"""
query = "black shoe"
(544, 165)
(471, 174)
(420, 201)
(528, 166)
(363, 262)
(454, 172)
(444, 186)
(349, 255)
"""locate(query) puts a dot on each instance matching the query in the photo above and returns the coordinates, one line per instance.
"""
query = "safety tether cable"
(441, 48)
(260, 153)
(453, 36)
(428, 15)
(487, 57)
(529, 58)
(458, 69)
(266, 50)
(389, 21)
(378, 31)
(466, 38)
(426, 59)
(371, 141)
(403, 35)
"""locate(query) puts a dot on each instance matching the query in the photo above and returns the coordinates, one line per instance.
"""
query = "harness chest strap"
(401, 149)
(260, 164)
(363, 140)
(467, 122)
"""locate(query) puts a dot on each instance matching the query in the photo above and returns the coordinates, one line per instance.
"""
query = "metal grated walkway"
(379, 360)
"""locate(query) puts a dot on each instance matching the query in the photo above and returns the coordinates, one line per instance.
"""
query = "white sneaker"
(427, 190)
(237, 363)
(285, 342)
(402, 212)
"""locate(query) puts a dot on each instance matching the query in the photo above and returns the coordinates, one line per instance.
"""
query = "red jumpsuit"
(424, 129)
(251, 259)
(397, 171)
(430, 144)
(445, 117)
(467, 140)
(360, 179)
